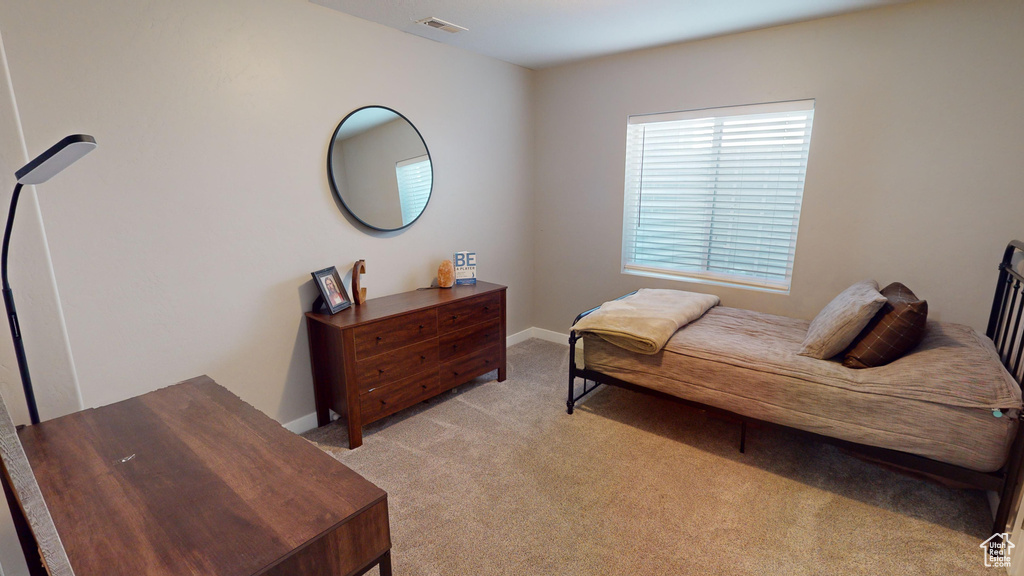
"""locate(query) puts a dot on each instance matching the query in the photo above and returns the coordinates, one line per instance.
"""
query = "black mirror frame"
(330, 168)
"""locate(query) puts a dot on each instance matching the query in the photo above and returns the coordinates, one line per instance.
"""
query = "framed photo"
(332, 291)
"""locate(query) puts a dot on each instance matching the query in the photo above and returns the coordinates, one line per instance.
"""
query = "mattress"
(937, 401)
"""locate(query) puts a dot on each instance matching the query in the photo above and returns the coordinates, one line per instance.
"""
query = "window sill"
(710, 280)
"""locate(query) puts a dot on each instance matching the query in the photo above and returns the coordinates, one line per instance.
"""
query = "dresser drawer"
(391, 366)
(468, 340)
(467, 312)
(389, 399)
(393, 333)
(465, 369)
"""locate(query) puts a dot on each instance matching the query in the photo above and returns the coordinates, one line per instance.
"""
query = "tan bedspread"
(643, 322)
(936, 402)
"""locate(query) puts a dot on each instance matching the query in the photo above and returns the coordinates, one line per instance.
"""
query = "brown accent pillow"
(895, 330)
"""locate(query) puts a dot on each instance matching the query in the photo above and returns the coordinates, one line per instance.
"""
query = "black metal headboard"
(1004, 324)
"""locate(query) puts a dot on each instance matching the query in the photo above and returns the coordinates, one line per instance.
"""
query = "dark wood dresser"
(390, 353)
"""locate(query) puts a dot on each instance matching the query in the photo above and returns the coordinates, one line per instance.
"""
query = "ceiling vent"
(441, 25)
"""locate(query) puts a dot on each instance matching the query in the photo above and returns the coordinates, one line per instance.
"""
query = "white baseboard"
(518, 337)
(308, 422)
(550, 336)
(302, 424)
(538, 333)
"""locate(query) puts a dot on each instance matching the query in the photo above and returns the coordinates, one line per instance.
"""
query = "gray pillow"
(838, 323)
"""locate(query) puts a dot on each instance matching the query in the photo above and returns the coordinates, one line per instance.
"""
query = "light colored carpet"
(497, 479)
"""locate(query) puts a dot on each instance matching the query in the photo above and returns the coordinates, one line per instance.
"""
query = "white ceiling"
(543, 33)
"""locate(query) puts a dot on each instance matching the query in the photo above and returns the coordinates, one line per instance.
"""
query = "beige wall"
(183, 244)
(915, 163)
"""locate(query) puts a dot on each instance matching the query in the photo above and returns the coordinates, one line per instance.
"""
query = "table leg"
(385, 564)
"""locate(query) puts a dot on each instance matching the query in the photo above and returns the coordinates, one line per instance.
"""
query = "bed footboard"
(1005, 330)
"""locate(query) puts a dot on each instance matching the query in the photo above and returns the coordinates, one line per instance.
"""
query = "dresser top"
(396, 304)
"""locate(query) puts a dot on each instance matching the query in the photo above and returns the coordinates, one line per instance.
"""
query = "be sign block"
(465, 267)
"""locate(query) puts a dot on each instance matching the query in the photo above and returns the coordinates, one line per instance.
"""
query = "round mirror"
(379, 168)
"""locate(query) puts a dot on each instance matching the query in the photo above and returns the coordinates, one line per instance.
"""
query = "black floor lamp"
(42, 168)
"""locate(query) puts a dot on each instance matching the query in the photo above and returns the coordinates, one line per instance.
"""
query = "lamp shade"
(56, 158)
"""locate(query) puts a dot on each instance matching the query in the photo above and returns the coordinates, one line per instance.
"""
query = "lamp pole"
(39, 170)
(12, 313)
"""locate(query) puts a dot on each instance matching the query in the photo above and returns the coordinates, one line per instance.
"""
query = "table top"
(188, 479)
(394, 304)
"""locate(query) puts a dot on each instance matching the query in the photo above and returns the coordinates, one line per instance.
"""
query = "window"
(415, 179)
(714, 195)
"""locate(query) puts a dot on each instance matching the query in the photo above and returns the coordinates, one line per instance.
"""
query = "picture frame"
(333, 297)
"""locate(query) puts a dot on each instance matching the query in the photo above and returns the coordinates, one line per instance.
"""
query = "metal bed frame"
(1005, 331)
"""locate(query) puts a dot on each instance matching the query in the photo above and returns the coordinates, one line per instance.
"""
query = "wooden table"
(191, 480)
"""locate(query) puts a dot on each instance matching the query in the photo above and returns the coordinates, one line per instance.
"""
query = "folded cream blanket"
(643, 322)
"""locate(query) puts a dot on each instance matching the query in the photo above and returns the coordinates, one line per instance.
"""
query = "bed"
(949, 409)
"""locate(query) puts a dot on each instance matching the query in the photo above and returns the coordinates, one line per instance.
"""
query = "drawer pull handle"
(421, 326)
(383, 403)
(455, 317)
(424, 386)
(380, 370)
(487, 308)
(455, 346)
(455, 373)
(379, 339)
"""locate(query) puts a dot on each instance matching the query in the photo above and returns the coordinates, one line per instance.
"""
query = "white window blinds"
(415, 179)
(714, 195)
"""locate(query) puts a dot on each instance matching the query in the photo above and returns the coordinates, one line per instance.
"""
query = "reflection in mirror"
(380, 169)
